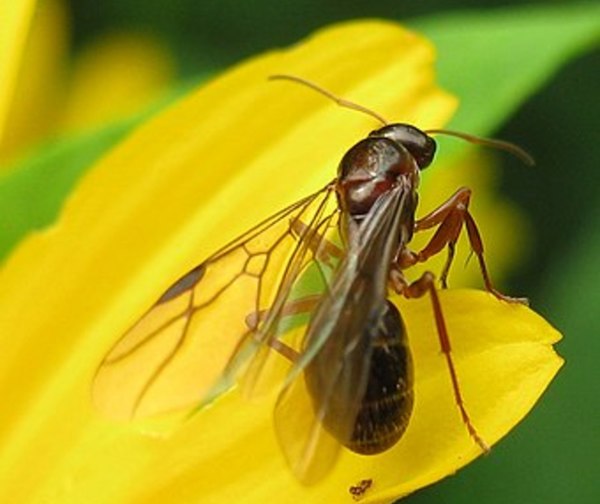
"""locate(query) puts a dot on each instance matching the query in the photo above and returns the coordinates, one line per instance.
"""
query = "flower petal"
(16, 18)
(114, 77)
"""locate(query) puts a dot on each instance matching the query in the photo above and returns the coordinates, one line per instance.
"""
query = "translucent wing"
(335, 360)
(216, 320)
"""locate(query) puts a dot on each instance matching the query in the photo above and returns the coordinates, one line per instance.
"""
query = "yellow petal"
(38, 98)
(16, 17)
(504, 359)
(115, 77)
(179, 188)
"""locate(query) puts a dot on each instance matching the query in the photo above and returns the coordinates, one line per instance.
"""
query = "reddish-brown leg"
(477, 246)
(324, 250)
(461, 197)
(419, 288)
(450, 217)
(295, 307)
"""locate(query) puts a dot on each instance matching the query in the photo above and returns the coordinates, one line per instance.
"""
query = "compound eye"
(420, 145)
(424, 153)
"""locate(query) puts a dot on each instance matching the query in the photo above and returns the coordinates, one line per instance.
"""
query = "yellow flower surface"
(38, 97)
(115, 76)
(16, 18)
(183, 185)
(111, 78)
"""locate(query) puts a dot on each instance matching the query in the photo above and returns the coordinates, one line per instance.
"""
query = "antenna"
(511, 148)
(340, 101)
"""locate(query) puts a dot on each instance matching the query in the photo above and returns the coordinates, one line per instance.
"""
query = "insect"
(305, 294)
(359, 490)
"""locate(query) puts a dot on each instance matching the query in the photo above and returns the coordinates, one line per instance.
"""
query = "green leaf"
(572, 297)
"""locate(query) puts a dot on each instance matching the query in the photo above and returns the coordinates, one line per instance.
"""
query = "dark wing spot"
(186, 282)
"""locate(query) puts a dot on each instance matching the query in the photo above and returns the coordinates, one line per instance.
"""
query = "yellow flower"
(183, 185)
(16, 20)
(113, 77)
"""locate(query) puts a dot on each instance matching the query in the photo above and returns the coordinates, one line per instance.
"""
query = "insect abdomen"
(386, 407)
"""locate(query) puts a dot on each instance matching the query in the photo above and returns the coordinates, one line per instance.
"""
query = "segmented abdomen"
(387, 404)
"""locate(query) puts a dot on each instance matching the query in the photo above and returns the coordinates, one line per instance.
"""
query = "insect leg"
(446, 268)
(450, 217)
(297, 306)
(420, 288)
(461, 197)
(323, 250)
(477, 246)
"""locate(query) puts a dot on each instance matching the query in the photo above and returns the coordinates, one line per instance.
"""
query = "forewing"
(202, 331)
(337, 350)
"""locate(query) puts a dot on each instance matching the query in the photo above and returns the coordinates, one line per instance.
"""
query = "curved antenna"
(340, 101)
(511, 148)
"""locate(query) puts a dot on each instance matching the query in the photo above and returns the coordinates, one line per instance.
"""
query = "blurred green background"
(554, 456)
